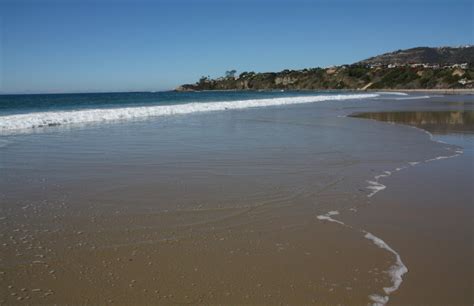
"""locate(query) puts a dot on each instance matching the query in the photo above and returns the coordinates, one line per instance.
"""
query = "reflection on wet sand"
(442, 122)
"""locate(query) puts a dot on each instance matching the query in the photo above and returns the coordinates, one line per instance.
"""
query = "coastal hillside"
(417, 68)
(425, 55)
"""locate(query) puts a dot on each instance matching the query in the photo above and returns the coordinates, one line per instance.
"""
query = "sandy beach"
(236, 152)
(290, 204)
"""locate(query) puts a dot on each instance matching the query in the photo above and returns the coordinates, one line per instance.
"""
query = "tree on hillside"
(204, 79)
(230, 73)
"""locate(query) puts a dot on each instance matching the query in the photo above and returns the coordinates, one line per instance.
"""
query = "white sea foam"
(392, 93)
(327, 217)
(438, 158)
(378, 299)
(434, 139)
(443, 157)
(385, 174)
(53, 118)
(396, 270)
(375, 186)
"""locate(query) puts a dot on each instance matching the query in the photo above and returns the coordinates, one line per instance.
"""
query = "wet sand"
(223, 208)
(427, 213)
(427, 216)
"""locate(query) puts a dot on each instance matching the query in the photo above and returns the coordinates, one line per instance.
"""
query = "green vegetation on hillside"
(343, 77)
(417, 68)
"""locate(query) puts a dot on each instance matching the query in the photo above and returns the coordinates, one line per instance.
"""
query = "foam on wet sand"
(396, 271)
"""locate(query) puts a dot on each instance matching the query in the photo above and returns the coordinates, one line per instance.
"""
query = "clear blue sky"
(106, 45)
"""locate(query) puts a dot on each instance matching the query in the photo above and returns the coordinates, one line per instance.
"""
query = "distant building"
(462, 66)
(331, 70)
(465, 81)
(376, 65)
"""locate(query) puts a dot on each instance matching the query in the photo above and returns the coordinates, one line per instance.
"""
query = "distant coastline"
(443, 69)
(446, 91)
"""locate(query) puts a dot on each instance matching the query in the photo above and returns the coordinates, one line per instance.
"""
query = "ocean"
(26, 112)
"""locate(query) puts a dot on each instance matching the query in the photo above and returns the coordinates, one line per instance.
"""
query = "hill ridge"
(414, 68)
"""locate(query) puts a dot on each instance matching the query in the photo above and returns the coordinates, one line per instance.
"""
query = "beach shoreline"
(452, 91)
(446, 91)
(446, 214)
(237, 206)
(434, 244)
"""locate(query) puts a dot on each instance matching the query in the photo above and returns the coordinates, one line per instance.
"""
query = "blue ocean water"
(28, 112)
(20, 104)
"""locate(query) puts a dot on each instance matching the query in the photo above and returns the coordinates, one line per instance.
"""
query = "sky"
(54, 46)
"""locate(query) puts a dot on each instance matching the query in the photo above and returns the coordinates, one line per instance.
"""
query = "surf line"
(24, 123)
(375, 185)
(396, 271)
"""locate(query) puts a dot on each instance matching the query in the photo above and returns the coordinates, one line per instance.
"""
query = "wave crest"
(12, 123)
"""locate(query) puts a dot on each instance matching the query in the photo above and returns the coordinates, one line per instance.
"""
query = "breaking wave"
(34, 120)
(395, 93)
